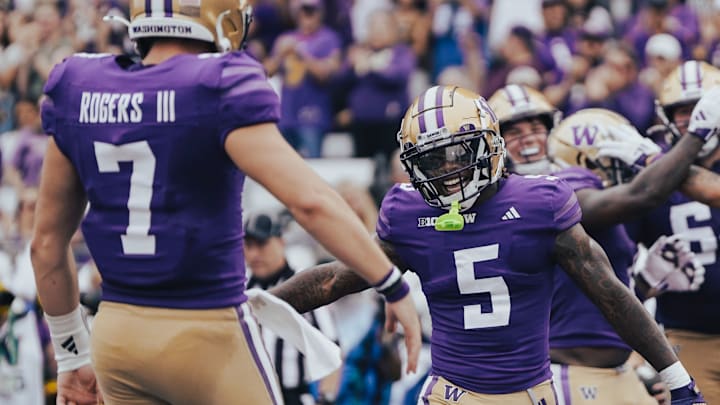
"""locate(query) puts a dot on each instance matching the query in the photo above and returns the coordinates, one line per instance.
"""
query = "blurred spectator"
(306, 58)
(54, 45)
(25, 147)
(668, 16)
(413, 26)
(614, 85)
(663, 54)
(504, 15)
(521, 48)
(378, 71)
(265, 255)
(454, 23)
(558, 37)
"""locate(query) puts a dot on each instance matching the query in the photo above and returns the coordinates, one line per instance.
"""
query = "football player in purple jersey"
(487, 267)
(690, 315)
(588, 356)
(151, 157)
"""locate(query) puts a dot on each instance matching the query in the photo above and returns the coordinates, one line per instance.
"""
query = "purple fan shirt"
(575, 321)
(699, 224)
(488, 286)
(164, 223)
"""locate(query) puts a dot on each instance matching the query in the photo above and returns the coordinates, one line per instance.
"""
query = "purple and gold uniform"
(575, 322)
(164, 222)
(691, 319)
(487, 285)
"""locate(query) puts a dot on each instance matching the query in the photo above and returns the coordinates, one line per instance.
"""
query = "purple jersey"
(488, 286)
(575, 321)
(700, 225)
(164, 223)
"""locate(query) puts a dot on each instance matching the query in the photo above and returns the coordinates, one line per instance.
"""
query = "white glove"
(627, 145)
(705, 118)
(669, 265)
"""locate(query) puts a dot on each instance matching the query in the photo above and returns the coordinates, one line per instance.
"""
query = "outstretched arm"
(647, 190)
(326, 283)
(702, 185)
(586, 263)
(319, 285)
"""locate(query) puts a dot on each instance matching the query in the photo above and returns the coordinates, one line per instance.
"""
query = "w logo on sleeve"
(453, 393)
(589, 392)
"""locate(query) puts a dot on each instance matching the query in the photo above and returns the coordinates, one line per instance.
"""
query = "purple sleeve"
(579, 178)
(383, 228)
(246, 96)
(567, 209)
(51, 88)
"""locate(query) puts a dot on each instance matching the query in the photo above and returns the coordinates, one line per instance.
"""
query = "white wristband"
(675, 376)
(70, 339)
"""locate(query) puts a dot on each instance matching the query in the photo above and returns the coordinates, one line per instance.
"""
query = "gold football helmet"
(574, 141)
(221, 22)
(451, 146)
(684, 86)
(514, 103)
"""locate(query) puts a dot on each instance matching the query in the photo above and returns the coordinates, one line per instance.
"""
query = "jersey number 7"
(137, 239)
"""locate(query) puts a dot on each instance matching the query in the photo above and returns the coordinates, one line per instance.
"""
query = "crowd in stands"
(346, 71)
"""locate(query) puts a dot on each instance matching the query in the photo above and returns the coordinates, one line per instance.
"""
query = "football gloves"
(669, 265)
(627, 145)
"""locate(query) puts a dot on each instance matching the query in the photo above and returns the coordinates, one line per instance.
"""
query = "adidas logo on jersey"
(430, 221)
(511, 214)
(69, 345)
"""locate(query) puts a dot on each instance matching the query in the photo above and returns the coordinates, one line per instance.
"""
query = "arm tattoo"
(586, 263)
(326, 283)
(702, 185)
(319, 285)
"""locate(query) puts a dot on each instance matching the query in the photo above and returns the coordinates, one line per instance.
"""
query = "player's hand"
(78, 387)
(687, 395)
(661, 393)
(670, 265)
(403, 311)
(705, 118)
(627, 145)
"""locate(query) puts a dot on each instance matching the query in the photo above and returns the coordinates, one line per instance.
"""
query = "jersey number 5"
(137, 239)
(474, 317)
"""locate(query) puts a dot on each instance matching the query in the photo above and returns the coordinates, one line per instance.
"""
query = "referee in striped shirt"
(265, 256)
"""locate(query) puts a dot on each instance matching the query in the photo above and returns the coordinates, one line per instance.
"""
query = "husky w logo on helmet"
(451, 146)
(574, 143)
